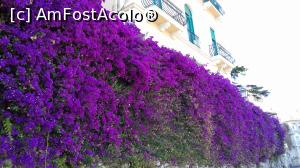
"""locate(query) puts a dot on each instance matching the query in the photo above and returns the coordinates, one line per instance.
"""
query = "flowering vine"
(72, 92)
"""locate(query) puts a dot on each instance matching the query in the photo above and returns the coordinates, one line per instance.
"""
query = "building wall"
(293, 141)
(203, 20)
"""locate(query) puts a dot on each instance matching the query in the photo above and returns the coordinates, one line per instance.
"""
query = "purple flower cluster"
(74, 91)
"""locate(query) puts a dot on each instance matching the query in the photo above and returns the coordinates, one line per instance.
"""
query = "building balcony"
(219, 50)
(193, 38)
(214, 8)
(221, 59)
(170, 17)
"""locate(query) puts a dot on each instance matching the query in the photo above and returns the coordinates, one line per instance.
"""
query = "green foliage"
(61, 162)
(139, 162)
(257, 92)
(7, 127)
(7, 164)
(119, 85)
(237, 71)
(179, 140)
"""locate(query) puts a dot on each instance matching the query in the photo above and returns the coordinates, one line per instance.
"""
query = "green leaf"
(8, 127)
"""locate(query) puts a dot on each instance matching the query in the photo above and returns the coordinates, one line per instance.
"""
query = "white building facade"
(191, 27)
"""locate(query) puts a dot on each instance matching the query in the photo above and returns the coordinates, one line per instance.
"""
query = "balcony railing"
(168, 7)
(193, 38)
(216, 5)
(220, 50)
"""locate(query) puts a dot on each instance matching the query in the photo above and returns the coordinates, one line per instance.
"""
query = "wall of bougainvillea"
(73, 93)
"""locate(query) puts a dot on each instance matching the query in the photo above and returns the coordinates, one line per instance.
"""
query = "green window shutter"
(190, 24)
(158, 3)
(214, 42)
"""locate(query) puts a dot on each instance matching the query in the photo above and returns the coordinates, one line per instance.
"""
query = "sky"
(264, 36)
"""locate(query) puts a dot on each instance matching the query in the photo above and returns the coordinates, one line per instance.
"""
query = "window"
(190, 24)
(214, 42)
(158, 3)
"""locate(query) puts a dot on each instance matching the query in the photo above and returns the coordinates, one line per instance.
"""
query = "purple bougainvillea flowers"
(71, 92)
